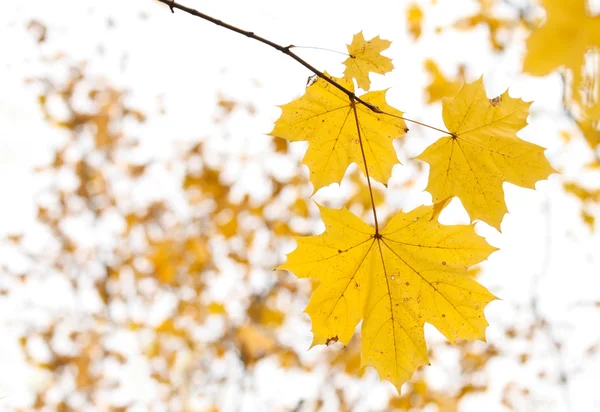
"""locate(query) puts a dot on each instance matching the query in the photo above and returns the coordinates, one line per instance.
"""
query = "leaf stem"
(362, 150)
(419, 123)
(321, 48)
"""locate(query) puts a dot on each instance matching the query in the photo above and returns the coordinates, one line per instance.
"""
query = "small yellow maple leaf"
(324, 117)
(568, 33)
(482, 152)
(414, 271)
(365, 57)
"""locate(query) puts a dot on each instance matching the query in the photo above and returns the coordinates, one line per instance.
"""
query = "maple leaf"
(365, 57)
(324, 117)
(482, 152)
(414, 271)
(569, 31)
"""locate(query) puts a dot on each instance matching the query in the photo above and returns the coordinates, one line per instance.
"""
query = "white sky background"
(188, 61)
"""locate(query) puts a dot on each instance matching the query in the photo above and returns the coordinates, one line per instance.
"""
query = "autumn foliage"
(414, 270)
(194, 288)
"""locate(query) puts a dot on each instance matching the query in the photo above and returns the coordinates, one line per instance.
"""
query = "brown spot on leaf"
(496, 101)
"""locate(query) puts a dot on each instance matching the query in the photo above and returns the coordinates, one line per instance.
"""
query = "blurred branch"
(524, 10)
(540, 320)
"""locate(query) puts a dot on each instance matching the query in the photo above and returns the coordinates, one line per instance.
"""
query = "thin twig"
(546, 328)
(287, 51)
(284, 49)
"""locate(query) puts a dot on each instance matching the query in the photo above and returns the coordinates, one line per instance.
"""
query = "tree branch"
(284, 49)
(287, 51)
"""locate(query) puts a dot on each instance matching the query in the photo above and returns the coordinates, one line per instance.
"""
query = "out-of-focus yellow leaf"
(414, 20)
(441, 87)
(165, 262)
(568, 33)
(215, 308)
(254, 343)
(229, 227)
(362, 195)
(486, 16)
(264, 315)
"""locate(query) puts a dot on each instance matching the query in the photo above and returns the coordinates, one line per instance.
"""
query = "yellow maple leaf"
(569, 31)
(482, 152)
(324, 117)
(414, 271)
(365, 57)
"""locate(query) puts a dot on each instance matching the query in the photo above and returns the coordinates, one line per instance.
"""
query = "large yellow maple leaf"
(325, 117)
(365, 57)
(569, 31)
(482, 152)
(414, 271)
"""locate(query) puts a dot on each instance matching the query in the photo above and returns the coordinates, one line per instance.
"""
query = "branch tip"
(286, 50)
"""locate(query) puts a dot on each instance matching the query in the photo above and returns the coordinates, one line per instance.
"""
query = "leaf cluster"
(394, 279)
